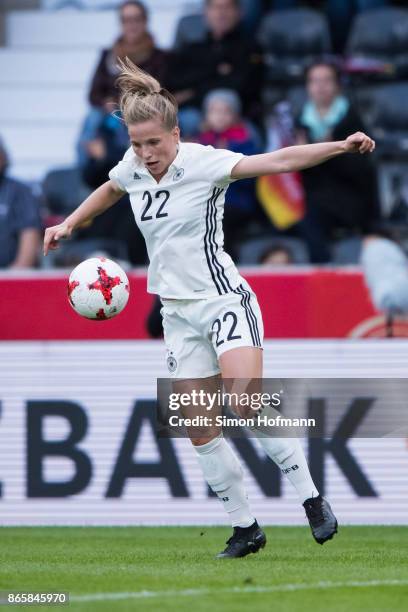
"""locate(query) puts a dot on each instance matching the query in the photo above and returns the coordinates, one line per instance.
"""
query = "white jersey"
(181, 220)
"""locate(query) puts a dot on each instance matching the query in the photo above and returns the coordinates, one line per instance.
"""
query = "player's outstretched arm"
(100, 200)
(292, 159)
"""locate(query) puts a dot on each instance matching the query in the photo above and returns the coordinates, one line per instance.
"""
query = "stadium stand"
(62, 189)
(45, 69)
(253, 251)
(381, 36)
(292, 39)
(386, 113)
(190, 29)
(50, 56)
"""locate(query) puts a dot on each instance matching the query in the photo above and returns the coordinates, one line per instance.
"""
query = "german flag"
(282, 198)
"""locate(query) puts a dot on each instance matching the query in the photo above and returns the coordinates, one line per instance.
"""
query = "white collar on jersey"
(176, 163)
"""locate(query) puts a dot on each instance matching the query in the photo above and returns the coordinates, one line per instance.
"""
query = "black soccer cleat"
(321, 519)
(244, 540)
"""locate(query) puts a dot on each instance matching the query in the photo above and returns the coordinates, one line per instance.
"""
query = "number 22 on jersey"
(154, 208)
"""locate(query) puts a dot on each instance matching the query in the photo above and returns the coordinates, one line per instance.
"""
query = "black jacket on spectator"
(341, 194)
(234, 62)
(346, 186)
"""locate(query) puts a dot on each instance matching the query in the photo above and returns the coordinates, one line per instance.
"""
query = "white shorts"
(197, 332)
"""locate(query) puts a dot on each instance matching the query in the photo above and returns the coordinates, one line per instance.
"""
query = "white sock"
(224, 475)
(290, 458)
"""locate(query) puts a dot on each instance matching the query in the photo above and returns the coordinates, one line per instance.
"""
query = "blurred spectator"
(104, 150)
(224, 128)
(385, 267)
(104, 138)
(341, 195)
(277, 254)
(19, 221)
(226, 58)
(136, 43)
(256, 250)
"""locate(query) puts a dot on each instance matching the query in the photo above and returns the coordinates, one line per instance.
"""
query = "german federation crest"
(171, 363)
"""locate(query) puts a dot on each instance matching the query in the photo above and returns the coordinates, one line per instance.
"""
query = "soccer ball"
(98, 289)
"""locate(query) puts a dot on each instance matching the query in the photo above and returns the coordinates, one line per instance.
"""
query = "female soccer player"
(211, 318)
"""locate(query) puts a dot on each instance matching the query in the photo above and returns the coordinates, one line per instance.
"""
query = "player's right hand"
(54, 234)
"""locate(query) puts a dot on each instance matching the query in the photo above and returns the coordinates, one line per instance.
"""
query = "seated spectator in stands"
(103, 153)
(341, 195)
(277, 254)
(385, 268)
(104, 150)
(224, 128)
(104, 138)
(20, 225)
(134, 42)
(227, 58)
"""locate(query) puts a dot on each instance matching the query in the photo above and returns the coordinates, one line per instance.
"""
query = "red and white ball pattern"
(98, 289)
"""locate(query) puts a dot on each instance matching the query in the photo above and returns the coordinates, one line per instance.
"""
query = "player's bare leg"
(241, 368)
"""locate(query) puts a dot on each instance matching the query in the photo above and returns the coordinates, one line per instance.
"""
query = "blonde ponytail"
(142, 98)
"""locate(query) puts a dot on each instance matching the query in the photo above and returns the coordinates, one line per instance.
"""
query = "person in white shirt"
(211, 318)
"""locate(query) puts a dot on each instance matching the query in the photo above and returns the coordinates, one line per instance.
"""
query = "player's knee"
(203, 435)
(203, 440)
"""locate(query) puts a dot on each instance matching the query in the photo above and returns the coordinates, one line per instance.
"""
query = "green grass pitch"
(173, 568)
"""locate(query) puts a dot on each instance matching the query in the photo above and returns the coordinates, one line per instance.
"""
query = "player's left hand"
(359, 143)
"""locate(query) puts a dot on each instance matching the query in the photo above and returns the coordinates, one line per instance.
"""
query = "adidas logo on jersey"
(136, 176)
